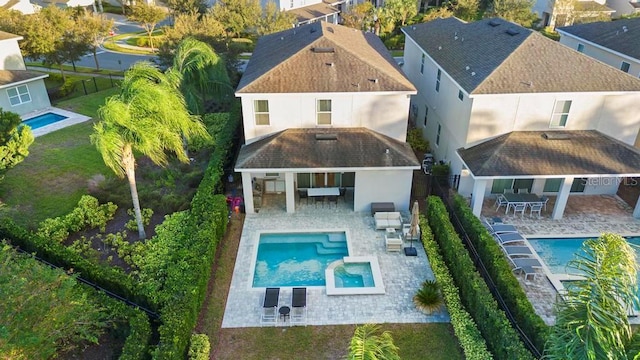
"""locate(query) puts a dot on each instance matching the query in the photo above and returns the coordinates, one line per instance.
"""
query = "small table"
(284, 311)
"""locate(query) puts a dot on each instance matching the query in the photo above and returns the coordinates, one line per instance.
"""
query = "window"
(272, 174)
(580, 48)
(426, 114)
(438, 80)
(498, 185)
(19, 95)
(460, 95)
(578, 184)
(261, 110)
(422, 65)
(625, 66)
(552, 185)
(324, 112)
(560, 113)
(438, 135)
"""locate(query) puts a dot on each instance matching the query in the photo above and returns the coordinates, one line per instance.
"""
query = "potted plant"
(428, 298)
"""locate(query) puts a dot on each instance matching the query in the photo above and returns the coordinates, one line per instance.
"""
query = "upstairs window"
(438, 135)
(426, 114)
(460, 95)
(19, 95)
(261, 110)
(625, 66)
(560, 113)
(324, 112)
(438, 76)
(580, 48)
(422, 64)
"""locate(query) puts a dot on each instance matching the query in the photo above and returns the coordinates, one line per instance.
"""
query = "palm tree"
(148, 116)
(591, 322)
(199, 71)
(428, 298)
(367, 345)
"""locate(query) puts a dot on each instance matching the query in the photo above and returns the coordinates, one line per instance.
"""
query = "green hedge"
(200, 347)
(466, 330)
(136, 346)
(204, 228)
(502, 340)
(502, 274)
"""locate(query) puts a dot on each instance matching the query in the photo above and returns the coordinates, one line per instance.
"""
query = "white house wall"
(386, 114)
(382, 186)
(10, 56)
(602, 54)
(39, 99)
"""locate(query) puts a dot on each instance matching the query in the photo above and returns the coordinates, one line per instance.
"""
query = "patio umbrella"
(413, 230)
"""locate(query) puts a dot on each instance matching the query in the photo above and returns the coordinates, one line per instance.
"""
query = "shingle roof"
(580, 152)
(8, 36)
(611, 34)
(322, 57)
(303, 149)
(521, 62)
(313, 11)
(8, 77)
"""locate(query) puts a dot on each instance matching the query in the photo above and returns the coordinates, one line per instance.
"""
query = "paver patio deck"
(402, 275)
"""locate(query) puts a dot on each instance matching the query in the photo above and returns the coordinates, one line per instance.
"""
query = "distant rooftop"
(7, 36)
(8, 77)
(622, 36)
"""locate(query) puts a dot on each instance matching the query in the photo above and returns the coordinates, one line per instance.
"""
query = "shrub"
(417, 141)
(502, 340)
(502, 275)
(132, 225)
(471, 341)
(200, 347)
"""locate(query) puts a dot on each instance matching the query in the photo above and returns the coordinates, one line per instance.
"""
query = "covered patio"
(351, 163)
(552, 163)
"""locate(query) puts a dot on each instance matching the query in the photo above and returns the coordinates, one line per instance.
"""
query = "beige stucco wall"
(605, 55)
(383, 113)
(39, 99)
(10, 56)
(382, 186)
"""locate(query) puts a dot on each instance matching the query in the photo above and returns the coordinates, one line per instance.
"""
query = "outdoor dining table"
(526, 199)
(327, 191)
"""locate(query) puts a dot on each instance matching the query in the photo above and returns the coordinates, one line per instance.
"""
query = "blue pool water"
(297, 259)
(43, 120)
(354, 275)
(556, 253)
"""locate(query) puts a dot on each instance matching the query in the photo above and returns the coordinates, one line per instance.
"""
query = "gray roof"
(326, 148)
(521, 62)
(322, 57)
(8, 77)
(314, 11)
(611, 35)
(580, 152)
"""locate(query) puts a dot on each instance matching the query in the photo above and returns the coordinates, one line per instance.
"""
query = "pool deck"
(72, 119)
(402, 275)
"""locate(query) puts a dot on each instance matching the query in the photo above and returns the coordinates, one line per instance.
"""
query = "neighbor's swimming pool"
(297, 259)
(43, 120)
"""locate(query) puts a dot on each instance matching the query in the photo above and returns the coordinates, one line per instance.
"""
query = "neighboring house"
(616, 43)
(24, 6)
(324, 10)
(555, 13)
(326, 105)
(509, 108)
(21, 91)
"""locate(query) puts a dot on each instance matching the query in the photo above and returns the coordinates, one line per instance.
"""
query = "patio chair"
(303, 194)
(318, 200)
(516, 250)
(343, 194)
(545, 200)
(299, 305)
(270, 307)
(508, 238)
(500, 201)
(519, 208)
(536, 208)
(332, 199)
(523, 191)
(508, 191)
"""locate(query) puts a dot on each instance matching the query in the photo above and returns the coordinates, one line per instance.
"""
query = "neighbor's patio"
(402, 275)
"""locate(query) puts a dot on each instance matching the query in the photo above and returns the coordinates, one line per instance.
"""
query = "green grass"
(396, 53)
(51, 180)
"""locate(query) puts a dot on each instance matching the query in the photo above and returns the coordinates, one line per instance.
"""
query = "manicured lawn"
(51, 180)
(416, 341)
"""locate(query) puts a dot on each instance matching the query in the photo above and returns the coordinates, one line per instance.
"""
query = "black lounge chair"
(299, 304)
(270, 306)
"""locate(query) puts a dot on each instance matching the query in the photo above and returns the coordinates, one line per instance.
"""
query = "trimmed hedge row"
(502, 340)
(205, 227)
(502, 274)
(136, 346)
(466, 330)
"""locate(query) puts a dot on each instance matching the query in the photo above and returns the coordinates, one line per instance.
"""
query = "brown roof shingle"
(505, 58)
(8, 77)
(321, 57)
(621, 35)
(579, 152)
(346, 148)
(8, 36)
(314, 11)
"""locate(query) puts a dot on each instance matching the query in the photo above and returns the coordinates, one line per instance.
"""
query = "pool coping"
(72, 119)
(377, 289)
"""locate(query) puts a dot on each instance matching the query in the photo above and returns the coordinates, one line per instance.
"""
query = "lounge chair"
(270, 306)
(527, 271)
(507, 238)
(499, 228)
(299, 304)
(520, 262)
(514, 250)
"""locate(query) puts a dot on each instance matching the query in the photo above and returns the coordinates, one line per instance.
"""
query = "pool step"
(322, 250)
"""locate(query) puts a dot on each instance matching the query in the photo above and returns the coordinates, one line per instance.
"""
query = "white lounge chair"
(499, 228)
(526, 265)
(515, 250)
(299, 306)
(508, 238)
(270, 307)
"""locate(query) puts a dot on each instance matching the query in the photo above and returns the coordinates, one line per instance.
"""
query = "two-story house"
(616, 43)
(509, 108)
(21, 91)
(326, 106)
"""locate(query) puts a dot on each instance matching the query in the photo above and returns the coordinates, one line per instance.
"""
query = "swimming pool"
(353, 275)
(297, 259)
(43, 120)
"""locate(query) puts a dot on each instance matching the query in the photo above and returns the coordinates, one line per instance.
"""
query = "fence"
(75, 88)
(441, 189)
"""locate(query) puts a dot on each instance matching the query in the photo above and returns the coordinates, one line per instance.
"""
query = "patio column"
(563, 196)
(477, 197)
(289, 192)
(636, 211)
(247, 193)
